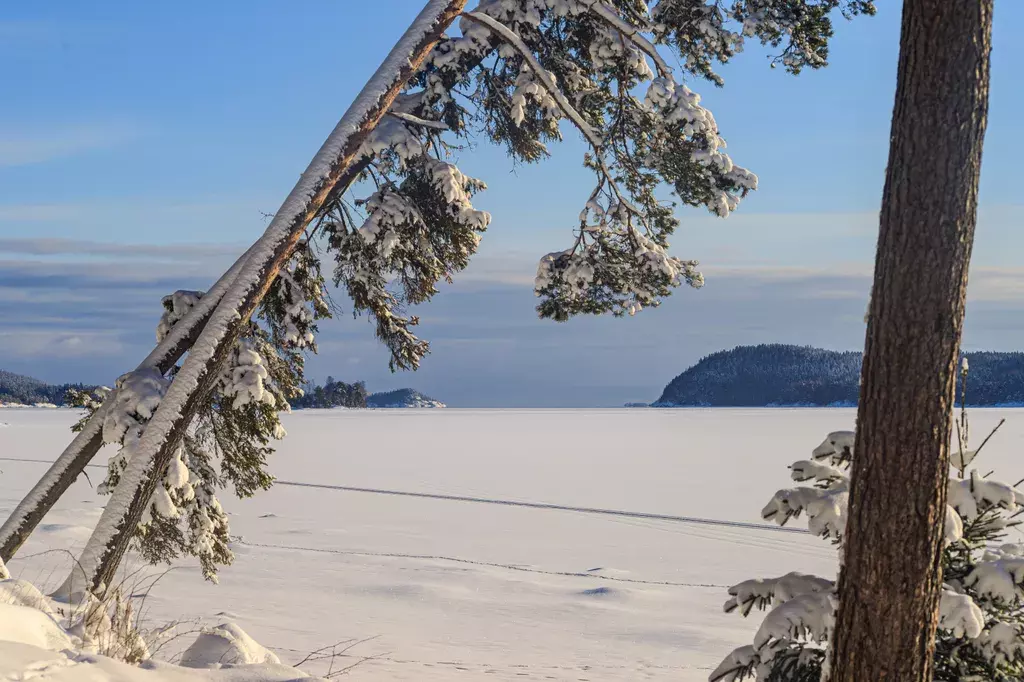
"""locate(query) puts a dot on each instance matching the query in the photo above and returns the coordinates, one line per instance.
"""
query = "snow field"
(447, 590)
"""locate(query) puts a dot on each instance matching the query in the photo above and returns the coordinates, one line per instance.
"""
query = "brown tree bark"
(891, 578)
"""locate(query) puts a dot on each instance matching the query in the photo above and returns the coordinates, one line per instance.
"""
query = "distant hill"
(23, 390)
(403, 397)
(778, 374)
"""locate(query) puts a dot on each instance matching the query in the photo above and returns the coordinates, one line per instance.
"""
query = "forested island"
(770, 375)
(17, 389)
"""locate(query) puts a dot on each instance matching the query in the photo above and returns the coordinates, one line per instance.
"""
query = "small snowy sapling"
(981, 610)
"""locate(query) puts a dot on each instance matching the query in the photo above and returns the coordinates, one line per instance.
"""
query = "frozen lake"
(467, 589)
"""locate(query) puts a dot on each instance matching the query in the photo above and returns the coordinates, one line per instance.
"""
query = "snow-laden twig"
(416, 120)
(539, 73)
(609, 15)
(183, 333)
(109, 540)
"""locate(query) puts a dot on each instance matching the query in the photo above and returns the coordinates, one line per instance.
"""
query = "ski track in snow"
(590, 575)
(511, 503)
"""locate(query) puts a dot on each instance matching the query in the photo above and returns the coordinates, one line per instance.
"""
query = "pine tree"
(519, 73)
(891, 580)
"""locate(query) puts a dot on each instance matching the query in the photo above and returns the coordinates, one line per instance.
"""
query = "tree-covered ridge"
(23, 390)
(780, 374)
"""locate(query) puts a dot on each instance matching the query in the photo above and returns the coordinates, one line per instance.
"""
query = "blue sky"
(140, 144)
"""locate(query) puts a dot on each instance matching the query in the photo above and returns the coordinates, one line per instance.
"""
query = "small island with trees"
(17, 390)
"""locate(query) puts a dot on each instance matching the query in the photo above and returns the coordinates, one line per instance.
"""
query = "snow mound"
(226, 644)
(34, 645)
(23, 662)
(27, 625)
(23, 593)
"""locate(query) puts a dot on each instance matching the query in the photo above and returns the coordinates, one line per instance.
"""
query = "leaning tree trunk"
(103, 552)
(84, 447)
(73, 460)
(891, 578)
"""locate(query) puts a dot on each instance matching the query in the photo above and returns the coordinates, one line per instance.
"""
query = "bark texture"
(891, 576)
(341, 168)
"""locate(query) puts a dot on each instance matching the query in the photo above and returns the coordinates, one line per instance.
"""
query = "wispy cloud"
(46, 246)
(34, 343)
(84, 310)
(37, 145)
(139, 219)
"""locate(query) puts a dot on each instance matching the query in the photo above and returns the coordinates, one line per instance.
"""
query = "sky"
(142, 145)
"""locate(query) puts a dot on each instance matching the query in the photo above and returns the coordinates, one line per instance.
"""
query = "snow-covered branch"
(539, 73)
(634, 34)
(517, 69)
(416, 120)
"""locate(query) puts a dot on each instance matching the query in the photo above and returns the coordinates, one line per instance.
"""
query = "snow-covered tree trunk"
(84, 447)
(891, 578)
(110, 539)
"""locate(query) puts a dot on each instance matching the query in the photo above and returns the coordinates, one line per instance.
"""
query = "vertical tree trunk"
(99, 560)
(890, 581)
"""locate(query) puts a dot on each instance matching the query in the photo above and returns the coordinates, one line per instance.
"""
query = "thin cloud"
(104, 275)
(150, 219)
(47, 246)
(28, 147)
(42, 344)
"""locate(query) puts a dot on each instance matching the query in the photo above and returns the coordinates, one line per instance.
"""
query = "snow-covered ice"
(449, 590)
